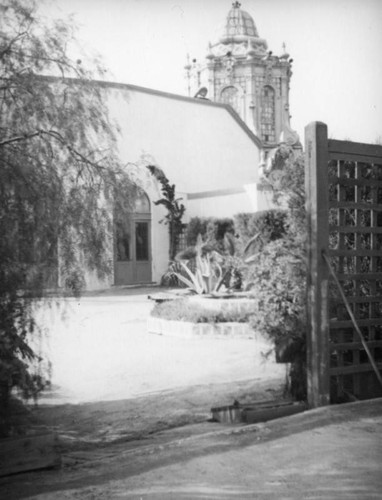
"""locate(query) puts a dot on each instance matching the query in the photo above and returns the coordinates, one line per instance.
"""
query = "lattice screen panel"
(355, 250)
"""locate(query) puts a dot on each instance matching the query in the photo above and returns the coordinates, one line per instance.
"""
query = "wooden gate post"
(317, 201)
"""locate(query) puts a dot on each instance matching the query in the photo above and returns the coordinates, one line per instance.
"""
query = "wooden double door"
(132, 247)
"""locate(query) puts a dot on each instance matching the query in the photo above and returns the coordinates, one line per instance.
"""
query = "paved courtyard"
(100, 350)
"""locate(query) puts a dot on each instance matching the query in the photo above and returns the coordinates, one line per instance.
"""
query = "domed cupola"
(241, 72)
(239, 25)
(240, 35)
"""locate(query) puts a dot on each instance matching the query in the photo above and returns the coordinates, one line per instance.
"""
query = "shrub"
(212, 230)
(269, 224)
(186, 310)
(216, 231)
(277, 278)
(277, 274)
(196, 226)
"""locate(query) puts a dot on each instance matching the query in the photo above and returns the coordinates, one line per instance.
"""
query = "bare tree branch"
(19, 138)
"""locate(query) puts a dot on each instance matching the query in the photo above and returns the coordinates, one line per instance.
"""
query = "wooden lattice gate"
(344, 207)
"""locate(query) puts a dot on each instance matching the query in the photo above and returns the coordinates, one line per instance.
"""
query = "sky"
(336, 48)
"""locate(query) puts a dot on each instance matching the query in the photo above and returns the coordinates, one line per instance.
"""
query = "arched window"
(267, 119)
(230, 95)
(142, 204)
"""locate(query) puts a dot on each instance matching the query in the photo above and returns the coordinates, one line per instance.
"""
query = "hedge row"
(211, 228)
(271, 224)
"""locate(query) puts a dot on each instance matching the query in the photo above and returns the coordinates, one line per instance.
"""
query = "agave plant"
(207, 275)
(205, 269)
(235, 261)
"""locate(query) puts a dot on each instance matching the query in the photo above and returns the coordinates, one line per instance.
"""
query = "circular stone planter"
(186, 329)
(240, 304)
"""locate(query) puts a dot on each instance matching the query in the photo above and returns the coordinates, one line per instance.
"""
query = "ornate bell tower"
(241, 71)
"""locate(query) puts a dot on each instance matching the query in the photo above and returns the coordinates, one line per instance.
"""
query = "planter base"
(184, 329)
(233, 304)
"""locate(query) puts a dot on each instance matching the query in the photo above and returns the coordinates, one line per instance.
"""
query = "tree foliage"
(175, 209)
(58, 168)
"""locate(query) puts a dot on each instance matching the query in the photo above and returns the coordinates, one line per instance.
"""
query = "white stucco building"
(204, 148)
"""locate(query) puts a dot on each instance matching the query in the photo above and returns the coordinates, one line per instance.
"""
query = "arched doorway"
(132, 243)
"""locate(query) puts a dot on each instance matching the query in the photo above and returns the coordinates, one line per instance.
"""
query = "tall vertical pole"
(317, 207)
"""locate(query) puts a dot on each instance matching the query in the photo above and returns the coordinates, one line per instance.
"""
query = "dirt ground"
(329, 453)
(132, 416)
(91, 425)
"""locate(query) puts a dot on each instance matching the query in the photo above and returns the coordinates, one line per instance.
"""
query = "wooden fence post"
(317, 201)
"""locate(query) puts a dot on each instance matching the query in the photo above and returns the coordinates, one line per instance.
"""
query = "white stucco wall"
(198, 144)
